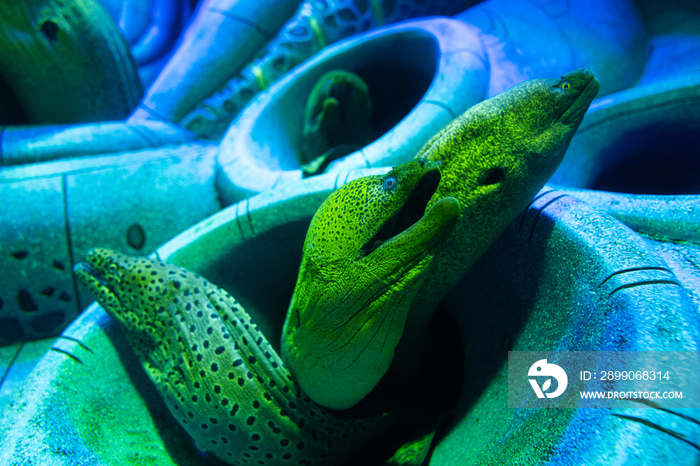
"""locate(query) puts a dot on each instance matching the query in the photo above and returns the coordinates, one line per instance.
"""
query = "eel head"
(365, 257)
(138, 293)
(337, 120)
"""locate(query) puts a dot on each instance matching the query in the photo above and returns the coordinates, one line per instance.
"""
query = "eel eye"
(390, 183)
(566, 85)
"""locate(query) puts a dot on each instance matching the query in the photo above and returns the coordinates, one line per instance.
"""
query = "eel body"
(493, 159)
(218, 375)
(363, 261)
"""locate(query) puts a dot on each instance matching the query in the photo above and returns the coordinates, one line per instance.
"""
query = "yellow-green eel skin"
(356, 279)
(493, 159)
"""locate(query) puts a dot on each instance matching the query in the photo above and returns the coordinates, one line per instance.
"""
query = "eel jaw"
(408, 215)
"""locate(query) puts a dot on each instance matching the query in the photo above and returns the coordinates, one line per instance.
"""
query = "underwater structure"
(215, 156)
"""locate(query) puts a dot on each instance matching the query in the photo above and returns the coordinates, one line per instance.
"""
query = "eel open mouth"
(90, 273)
(409, 214)
(95, 275)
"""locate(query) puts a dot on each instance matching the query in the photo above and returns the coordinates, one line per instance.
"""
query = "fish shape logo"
(543, 369)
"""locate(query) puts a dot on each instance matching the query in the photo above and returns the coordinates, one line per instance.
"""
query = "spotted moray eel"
(219, 376)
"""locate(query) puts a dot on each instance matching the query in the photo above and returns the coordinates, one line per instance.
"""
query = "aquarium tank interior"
(349, 232)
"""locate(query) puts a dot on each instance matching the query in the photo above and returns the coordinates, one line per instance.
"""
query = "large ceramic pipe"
(314, 26)
(64, 62)
(54, 212)
(668, 218)
(222, 38)
(34, 144)
(420, 74)
(521, 295)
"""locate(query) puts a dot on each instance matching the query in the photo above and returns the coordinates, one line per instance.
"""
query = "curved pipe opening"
(638, 141)
(657, 159)
(398, 71)
(420, 76)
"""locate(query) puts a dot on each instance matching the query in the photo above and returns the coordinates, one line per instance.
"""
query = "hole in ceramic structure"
(65, 297)
(58, 265)
(135, 236)
(19, 255)
(26, 302)
(658, 159)
(398, 71)
(395, 89)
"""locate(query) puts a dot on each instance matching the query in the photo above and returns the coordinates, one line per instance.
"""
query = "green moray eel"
(64, 62)
(336, 120)
(364, 259)
(494, 158)
(218, 375)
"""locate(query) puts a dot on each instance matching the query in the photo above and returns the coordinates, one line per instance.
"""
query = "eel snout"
(101, 275)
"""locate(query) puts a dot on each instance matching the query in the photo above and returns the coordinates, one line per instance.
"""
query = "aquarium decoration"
(317, 232)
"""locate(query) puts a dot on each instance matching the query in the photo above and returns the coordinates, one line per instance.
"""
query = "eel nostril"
(495, 175)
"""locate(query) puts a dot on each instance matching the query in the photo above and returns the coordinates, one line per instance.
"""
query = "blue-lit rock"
(576, 280)
(28, 144)
(54, 212)
(222, 37)
(537, 39)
